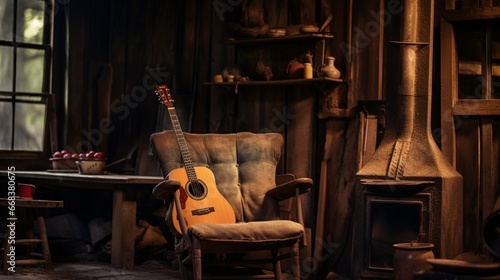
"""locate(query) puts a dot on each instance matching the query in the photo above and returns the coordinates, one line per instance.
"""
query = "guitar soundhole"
(196, 189)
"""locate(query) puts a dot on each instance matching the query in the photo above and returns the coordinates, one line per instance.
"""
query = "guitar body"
(202, 203)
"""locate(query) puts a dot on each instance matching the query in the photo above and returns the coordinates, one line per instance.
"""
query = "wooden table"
(124, 189)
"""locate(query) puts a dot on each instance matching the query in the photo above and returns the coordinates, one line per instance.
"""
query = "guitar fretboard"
(183, 147)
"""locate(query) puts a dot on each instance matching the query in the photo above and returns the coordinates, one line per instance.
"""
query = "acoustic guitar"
(198, 199)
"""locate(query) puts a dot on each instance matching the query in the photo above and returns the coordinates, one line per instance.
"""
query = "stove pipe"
(408, 149)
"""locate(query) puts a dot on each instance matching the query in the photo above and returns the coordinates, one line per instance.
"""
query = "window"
(470, 52)
(25, 73)
(478, 49)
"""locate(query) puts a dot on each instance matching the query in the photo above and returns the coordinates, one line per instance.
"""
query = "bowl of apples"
(64, 160)
(91, 163)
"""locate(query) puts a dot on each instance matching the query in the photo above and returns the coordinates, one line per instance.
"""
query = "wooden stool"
(34, 204)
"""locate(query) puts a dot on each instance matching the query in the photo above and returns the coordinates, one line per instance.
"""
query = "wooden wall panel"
(276, 13)
(467, 137)
(200, 100)
(77, 103)
(366, 61)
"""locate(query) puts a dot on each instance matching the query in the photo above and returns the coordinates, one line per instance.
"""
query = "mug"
(25, 191)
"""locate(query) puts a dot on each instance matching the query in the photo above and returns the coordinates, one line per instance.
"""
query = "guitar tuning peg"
(156, 92)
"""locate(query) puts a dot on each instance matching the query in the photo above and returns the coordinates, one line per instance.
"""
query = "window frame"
(487, 106)
(45, 96)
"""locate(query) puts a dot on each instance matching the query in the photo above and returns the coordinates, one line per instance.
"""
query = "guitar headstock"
(164, 96)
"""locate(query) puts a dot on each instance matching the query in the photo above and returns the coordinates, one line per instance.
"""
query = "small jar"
(308, 70)
(410, 258)
(230, 78)
(218, 78)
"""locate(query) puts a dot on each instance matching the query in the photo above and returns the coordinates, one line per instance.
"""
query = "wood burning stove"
(408, 189)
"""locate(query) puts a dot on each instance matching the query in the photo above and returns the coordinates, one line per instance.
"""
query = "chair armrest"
(289, 189)
(284, 178)
(165, 190)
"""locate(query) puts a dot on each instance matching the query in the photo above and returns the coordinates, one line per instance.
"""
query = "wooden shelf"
(488, 13)
(279, 82)
(284, 39)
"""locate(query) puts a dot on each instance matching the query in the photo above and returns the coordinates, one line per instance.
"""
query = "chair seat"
(252, 235)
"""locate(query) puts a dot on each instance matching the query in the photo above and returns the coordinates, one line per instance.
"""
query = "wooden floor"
(149, 270)
(94, 270)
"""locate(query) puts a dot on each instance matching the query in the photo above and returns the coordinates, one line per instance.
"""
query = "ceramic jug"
(328, 69)
(409, 258)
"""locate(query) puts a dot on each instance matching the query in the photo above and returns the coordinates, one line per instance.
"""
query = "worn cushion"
(248, 232)
(244, 165)
(249, 235)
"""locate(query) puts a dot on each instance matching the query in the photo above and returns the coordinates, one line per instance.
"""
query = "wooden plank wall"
(478, 160)
(145, 43)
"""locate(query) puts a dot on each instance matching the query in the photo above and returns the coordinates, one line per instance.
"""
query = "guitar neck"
(181, 141)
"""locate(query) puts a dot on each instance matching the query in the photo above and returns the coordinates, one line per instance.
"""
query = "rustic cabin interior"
(283, 139)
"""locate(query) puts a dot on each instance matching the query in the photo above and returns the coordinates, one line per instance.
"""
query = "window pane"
(29, 70)
(6, 19)
(6, 66)
(29, 126)
(468, 40)
(30, 16)
(6, 124)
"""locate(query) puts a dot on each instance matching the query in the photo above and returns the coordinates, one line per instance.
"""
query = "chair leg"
(196, 247)
(6, 247)
(45, 241)
(276, 263)
(295, 261)
(182, 267)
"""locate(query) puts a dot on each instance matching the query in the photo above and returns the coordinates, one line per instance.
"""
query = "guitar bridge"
(202, 211)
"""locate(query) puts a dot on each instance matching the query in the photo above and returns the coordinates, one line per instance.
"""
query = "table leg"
(123, 227)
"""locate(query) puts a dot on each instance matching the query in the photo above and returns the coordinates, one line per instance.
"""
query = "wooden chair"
(244, 166)
(36, 258)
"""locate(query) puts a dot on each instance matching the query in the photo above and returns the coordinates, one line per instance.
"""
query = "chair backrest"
(244, 165)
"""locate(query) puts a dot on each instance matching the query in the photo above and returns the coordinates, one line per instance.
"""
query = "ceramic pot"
(410, 258)
(328, 69)
(295, 69)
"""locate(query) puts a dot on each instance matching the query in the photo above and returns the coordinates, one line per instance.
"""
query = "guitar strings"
(195, 187)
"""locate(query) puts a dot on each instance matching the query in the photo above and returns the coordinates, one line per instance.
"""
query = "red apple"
(68, 155)
(98, 155)
(90, 154)
(57, 154)
(81, 155)
(74, 156)
(64, 152)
